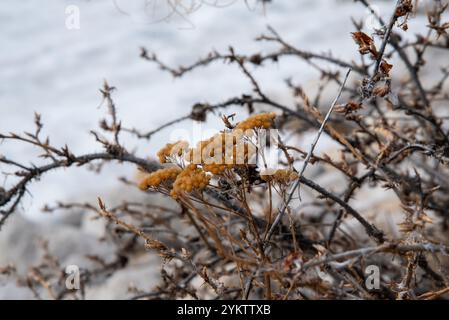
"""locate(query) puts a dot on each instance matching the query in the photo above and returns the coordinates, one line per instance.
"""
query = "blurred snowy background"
(56, 71)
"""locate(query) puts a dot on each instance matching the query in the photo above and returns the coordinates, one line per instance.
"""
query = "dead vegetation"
(247, 236)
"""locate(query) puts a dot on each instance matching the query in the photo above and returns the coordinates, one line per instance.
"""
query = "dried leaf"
(365, 43)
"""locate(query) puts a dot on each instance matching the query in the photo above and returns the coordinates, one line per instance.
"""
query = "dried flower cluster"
(264, 120)
(191, 178)
(281, 176)
(154, 179)
(195, 167)
(171, 150)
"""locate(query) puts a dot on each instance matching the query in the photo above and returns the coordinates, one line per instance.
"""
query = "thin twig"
(306, 161)
(387, 35)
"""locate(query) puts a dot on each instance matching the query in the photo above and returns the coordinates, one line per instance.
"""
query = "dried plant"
(167, 10)
(240, 227)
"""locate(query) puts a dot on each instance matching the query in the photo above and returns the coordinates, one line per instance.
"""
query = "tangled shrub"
(247, 232)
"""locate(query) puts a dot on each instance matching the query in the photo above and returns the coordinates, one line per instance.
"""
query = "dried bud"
(256, 59)
(348, 108)
(199, 112)
(404, 8)
(385, 68)
(381, 91)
